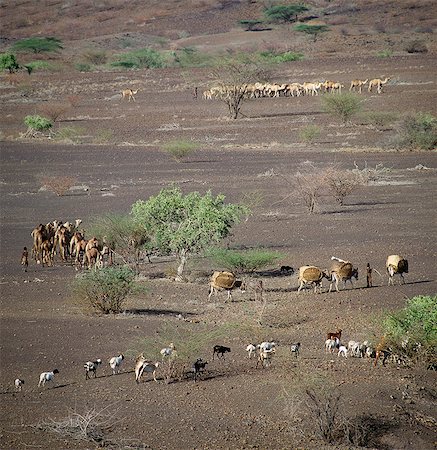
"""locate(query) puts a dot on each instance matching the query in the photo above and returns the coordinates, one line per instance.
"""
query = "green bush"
(180, 149)
(8, 62)
(244, 261)
(38, 123)
(273, 57)
(284, 13)
(313, 30)
(419, 132)
(190, 57)
(38, 44)
(83, 67)
(380, 119)
(104, 291)
(412, 331)
(70, 134)
(139, 59)
(42, 65)
(309, 133)
(384, 53)
(343, 106)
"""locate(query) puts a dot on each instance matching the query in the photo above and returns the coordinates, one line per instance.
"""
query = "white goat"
(142, 365)
(169, 351)
(46, 377)
(331, 345)
(342, 350)
(266, 346)
(91, 366)
(18, 383)
(115, 363)
(265, 357)
(251, 349)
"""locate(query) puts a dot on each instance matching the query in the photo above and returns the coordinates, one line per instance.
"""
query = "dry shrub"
(342, 183)
(309, 185)
(53, 110)
(58, 184)
(417, 46)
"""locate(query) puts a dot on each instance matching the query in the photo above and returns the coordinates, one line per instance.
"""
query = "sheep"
(253, 285)
(312, 275)
(265, 357)
(129, 93)
(91, 366)
(342, 350)
(223, 280)
(378, 83)
(141, 365)
(251, 349)
(115, 363)
(18, 383)
(342, 270)
(198, 366)
(46, 377)
(358, 84)
(169, 351)
(220, 350)
(396, 264)
(266, 346)
(295, 348)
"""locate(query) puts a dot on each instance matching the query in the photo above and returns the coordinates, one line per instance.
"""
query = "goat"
(18, 383)
(25, 259)
(253, 285)
(396, 264)
(129, 93)
(115, 363)
(223, 280)
(342, 350)
(342, 270)
(198, 366)
(46, 377)
(295, 348)
(312, 275)
(220, 350)
(168, 351)
(334, 335)
(378, 83)
(286, 269)
(91, 366)
(266, 346)
(251, 349)
(331, 345)
(265, 357)
(141, 365)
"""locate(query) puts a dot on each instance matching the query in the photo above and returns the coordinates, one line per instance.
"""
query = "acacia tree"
(38, 45)
(8, 62)
(284, 13)
(313, 30)
(183, 225)
(233, 79)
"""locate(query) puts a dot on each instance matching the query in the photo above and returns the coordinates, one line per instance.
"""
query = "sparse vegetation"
(53, 110)
(83, 67)
(312, 30)
(380, 119)
(342, 183)
(309, 184)
(418, 131)
(250, 25)
(180, 149)
(244, 261)
(145, 58)
(384, 53)
(70, 134)
(416, 46)
(279, 57)
(95, 57)
(60, 185)
(38, 45)
(309, 133)
(191, 57)
(104, 291)
(344, 106)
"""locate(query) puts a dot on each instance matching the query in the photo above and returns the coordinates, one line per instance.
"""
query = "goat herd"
(258, 90)
(264, 352)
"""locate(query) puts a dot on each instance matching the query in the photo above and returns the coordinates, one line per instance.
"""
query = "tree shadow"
(157, 312)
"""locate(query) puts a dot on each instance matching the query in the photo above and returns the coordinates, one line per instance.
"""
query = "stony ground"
(117, 158)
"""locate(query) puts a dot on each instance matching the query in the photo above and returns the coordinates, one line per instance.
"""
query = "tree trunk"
(182, 262)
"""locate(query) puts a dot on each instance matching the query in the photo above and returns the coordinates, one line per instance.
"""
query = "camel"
(129, 93)
(358, 84)
(378, 83)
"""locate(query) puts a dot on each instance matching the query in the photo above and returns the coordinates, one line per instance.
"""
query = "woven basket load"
(225, 280)
(398, 263)
(344, 269)
(310, 273)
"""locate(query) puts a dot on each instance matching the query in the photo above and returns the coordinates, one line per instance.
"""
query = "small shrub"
(411, 332)
(53, 110)
(39, 65)
(313, 30)
(83, 67)
(71, 134)
(384, 53)
(244, 261)
(38, 123)
(139, 59)
(380, 119)
(105, 290)
(60, 185)
(309, 184)
(250, 25)
(95, 57)
(416, 46)
(8, 62)
(190, 57)
(419, 132)
(344, 106)
(309, 133)
(342, 183)
(103, 136)
(180, 149)
(270, 56)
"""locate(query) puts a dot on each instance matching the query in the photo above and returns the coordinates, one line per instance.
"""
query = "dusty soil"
(117, 159)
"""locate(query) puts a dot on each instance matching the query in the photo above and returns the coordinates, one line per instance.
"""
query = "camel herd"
(258, 90)
(66, 241)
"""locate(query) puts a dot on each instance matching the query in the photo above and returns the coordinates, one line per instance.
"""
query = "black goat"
(198, 367)
(220, 350)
